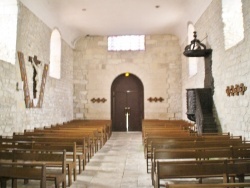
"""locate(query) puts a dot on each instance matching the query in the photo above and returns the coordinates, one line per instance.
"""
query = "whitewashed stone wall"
(7, 97)
(162, 69)
(33, 38)
(158, 67)
(229, 67)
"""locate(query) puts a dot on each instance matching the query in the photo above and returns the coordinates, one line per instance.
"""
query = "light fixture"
(196, 48)
(127, 74)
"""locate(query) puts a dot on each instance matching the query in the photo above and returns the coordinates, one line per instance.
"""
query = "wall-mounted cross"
(37, 70)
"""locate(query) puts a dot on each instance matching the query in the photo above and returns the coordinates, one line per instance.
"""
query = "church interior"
(144, 84)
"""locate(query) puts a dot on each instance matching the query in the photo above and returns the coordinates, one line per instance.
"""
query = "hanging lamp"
(196, 48)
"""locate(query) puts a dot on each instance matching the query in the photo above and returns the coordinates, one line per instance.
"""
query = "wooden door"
(127, 96)
(119, 116)
(135, 114)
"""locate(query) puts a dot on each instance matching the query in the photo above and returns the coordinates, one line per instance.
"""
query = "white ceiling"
(78, 18)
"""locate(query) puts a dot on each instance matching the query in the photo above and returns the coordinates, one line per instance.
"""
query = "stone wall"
(33, 38)
(158, 67)
(162, 69)
(7, 97)
(229, 67)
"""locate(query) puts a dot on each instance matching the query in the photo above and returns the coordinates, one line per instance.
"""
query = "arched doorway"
(127, 107)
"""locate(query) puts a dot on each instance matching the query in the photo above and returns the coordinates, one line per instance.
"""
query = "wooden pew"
(201, 169)
(81, 151)
(191, 136)
(83, 139)
(180, 137)
(102, 127)
(20, 170)
(188, 142)
(189, 154)
(55, 162)
(95, 130)
(147, 140)
(183, 124)
(173, 138)
(106, 124)
(89, 137)
(162, 132)
(241, 151)
(205, 153)
(70, 148)
(167, 124)
(215, 185)
(97, 135)
(165, 133)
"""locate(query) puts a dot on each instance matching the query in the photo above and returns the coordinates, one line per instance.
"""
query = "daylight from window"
(8, 30)
(232, 17)
(55, 55)
(126, 43)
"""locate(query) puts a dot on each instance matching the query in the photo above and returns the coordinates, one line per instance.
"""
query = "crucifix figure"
(37, 70)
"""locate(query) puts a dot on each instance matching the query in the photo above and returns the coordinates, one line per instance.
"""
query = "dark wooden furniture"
(200, 110)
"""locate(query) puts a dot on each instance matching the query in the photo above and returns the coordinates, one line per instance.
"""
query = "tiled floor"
(119, 164)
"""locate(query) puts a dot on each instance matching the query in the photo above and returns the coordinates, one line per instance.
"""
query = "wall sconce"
(98, 100)
(236, 90)
(155, 99)
(19, 86)
(196, 48)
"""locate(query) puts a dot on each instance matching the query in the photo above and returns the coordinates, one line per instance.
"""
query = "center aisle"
(119, 164)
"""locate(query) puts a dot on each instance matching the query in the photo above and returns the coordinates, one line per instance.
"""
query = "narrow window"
(192, 61)
(232, 17)
(126, 43)
(8, 30)
(55, 55)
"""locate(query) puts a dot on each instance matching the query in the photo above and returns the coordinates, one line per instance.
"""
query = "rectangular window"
(232, 16)
(8, 30)
(126, 43)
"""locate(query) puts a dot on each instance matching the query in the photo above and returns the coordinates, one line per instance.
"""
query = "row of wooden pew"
(174, 151)
(51, 153)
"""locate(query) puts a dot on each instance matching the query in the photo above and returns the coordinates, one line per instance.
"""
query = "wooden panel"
(133, 101)
(119, 121)
(44, 76)
(27, 99)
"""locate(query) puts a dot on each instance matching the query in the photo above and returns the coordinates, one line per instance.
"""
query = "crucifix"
(39, 79)
(37, 68)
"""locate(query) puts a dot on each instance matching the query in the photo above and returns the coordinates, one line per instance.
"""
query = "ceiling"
(78, 18)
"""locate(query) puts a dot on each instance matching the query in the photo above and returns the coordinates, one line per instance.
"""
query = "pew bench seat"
(20, 170)
(201, 169)
(51, 159)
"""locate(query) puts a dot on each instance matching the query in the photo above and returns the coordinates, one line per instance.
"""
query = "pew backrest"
(200, 169)
(20, 170)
